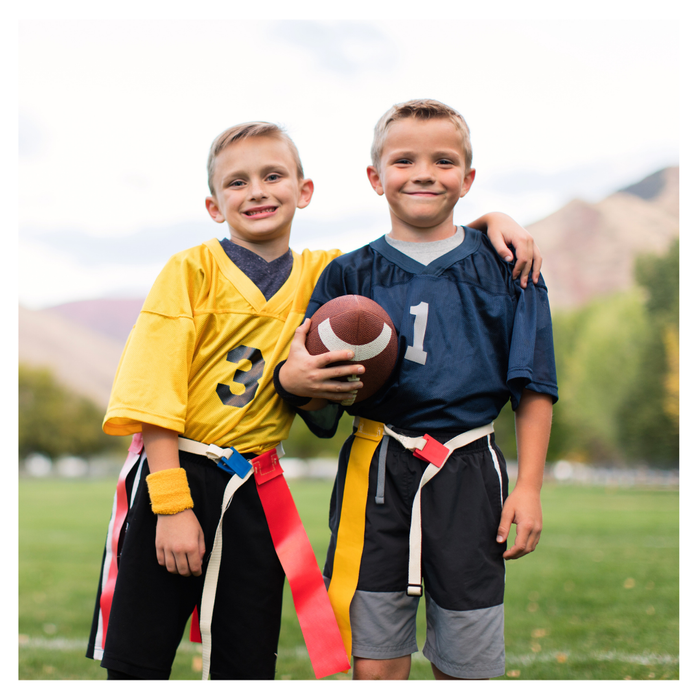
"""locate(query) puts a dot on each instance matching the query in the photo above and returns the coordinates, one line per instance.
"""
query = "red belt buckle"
(266, 466)
(434, 452)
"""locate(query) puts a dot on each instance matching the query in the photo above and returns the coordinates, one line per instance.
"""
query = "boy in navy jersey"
(421, 496)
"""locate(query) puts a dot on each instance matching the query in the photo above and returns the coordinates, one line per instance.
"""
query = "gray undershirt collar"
(425, 252)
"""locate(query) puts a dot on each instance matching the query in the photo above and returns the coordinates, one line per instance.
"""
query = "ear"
(375, 180)
(468, 181)
(305, 193)
(213, 209)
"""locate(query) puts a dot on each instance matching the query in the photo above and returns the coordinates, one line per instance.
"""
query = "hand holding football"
(359, 324)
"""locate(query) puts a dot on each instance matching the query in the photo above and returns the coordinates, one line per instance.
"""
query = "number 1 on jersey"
(415, 352)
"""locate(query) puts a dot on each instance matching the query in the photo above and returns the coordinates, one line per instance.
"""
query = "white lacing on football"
(361, 352)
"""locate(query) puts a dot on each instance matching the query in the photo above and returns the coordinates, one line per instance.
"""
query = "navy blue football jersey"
(470, 338)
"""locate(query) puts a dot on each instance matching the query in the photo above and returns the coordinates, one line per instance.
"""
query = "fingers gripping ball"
(359, 324)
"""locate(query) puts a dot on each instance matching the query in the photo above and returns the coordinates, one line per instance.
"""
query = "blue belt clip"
(235, 464)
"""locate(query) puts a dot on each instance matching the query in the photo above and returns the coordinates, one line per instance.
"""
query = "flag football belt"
(321, 634)
(351, 529)
(120, 510)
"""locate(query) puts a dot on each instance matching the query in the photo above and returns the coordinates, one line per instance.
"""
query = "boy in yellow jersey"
(195, 388)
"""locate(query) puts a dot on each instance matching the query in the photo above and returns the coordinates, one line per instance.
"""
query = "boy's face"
(256, 192)
(422, 172)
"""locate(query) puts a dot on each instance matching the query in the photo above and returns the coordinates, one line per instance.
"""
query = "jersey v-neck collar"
(248, 289)
(470, 244)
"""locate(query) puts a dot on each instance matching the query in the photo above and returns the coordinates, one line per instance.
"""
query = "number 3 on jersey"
(249, 378)
(415, 352)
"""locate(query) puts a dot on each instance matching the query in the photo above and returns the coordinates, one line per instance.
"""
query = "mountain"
(81, 359)
(112, 318)
(661, 188)
(588, 248)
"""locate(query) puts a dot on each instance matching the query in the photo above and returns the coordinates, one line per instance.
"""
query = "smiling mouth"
(259, 213)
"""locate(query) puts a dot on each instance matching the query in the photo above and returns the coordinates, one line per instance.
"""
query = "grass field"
(597, 600)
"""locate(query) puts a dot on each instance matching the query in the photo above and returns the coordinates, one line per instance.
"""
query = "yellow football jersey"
(201, 356)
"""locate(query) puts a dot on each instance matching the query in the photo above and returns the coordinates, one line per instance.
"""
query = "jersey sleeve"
(531, 360)
(151, 383)
(323, 423)
(331, 284)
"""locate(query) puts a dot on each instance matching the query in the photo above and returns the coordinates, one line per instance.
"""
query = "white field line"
(645, 659)
(63, 644)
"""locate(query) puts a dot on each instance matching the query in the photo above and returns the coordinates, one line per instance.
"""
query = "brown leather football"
(359, 324)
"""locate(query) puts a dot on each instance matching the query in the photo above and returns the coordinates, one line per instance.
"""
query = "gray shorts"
(461, 643)
(463, 567)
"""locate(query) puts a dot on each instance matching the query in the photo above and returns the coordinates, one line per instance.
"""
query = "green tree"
(659, 276)
(649, 416)
(617, 367)
(597, 373)
(55, 421)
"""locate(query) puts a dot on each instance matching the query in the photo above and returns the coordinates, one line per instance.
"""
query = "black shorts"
(151, 607)
(462, 564)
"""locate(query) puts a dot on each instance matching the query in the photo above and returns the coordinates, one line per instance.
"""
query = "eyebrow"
(272, 167)
(399, 153)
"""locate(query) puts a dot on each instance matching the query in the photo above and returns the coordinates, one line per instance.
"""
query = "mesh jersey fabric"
(205, 345)
(470, 338)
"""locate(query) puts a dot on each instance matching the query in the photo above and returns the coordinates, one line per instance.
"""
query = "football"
(359, 324)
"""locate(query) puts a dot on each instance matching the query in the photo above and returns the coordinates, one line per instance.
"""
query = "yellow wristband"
(169, 491)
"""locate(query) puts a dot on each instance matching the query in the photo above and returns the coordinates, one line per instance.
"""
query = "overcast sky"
(116, 118)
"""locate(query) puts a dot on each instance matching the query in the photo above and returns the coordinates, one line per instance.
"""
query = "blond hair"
(419, 109)
(246, 131)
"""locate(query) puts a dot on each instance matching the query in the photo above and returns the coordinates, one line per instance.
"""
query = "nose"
(423, 173)
(257, 190)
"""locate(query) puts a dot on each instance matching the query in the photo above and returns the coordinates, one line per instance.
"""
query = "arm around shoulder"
(503, 231)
